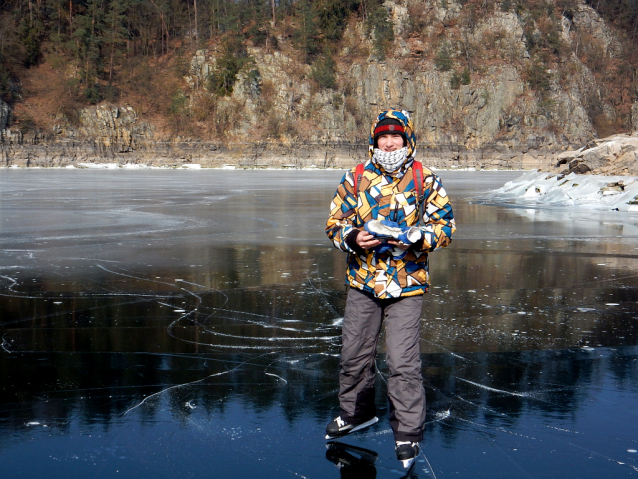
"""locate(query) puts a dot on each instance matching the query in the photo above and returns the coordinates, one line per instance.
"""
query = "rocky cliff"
(500, 116)
(615, 155)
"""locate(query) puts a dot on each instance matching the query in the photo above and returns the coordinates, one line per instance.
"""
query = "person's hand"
(366, 241)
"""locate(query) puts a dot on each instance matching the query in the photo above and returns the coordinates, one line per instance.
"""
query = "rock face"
(616, 155)
(277, 115)
(112, 126)
(100, 134)
(495, 121)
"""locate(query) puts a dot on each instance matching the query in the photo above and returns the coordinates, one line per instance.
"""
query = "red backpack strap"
(358, 174)
(417, 173)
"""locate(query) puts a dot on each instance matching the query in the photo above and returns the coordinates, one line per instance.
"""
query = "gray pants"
(361, 328)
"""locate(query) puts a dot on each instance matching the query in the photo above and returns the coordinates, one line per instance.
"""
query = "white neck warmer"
(390, 160)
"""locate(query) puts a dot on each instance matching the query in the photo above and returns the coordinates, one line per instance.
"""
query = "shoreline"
(146, 153)
(199, 167)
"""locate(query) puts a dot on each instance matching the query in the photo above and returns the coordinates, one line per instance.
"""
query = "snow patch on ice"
(99, 166)
(134, 166)
(589, 191)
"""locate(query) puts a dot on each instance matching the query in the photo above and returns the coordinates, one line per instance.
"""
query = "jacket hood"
(402, 117)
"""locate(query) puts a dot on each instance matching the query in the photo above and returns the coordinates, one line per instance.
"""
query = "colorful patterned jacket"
(392, 197)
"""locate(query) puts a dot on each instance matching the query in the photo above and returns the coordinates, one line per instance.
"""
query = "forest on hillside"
(101, 39)
(119, 50)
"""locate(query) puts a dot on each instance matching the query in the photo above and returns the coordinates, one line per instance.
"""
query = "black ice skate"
(407, 452)
(338, 427)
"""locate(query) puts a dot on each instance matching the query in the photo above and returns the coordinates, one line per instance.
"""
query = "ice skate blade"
(358, 427)
(407, 463)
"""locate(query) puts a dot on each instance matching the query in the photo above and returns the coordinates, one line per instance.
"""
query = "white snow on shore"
(132, 166)
(594, 192)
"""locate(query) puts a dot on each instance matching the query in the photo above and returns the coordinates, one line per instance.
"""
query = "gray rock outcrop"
(104, 133)
(113, 127)
(616, 155)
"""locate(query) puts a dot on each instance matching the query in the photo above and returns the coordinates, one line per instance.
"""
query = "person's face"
(390, 142)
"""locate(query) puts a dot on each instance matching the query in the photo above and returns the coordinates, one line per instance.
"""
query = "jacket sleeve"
(438, 218)
(343, 213)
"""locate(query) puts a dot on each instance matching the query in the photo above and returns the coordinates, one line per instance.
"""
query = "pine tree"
(115, 33)
(333, 16)
(381, 28)
(306, 35)
(233, 59)
(324, 70)
(443, 58)
(85, 45)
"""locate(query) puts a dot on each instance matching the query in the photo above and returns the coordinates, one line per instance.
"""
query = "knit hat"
(396, 118)
(389, 126)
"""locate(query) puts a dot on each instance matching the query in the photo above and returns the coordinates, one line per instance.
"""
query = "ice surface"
(156, 323)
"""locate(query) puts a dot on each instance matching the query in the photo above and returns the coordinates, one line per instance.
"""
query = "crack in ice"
(177, 386)
(488, 388)
(278, 377)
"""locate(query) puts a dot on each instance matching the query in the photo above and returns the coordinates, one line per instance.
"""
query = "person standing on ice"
(387, 214)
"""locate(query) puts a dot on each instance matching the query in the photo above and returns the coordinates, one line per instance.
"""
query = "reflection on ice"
(209, 341)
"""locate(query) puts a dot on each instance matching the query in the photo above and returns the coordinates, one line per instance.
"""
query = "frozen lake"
(187, 324)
